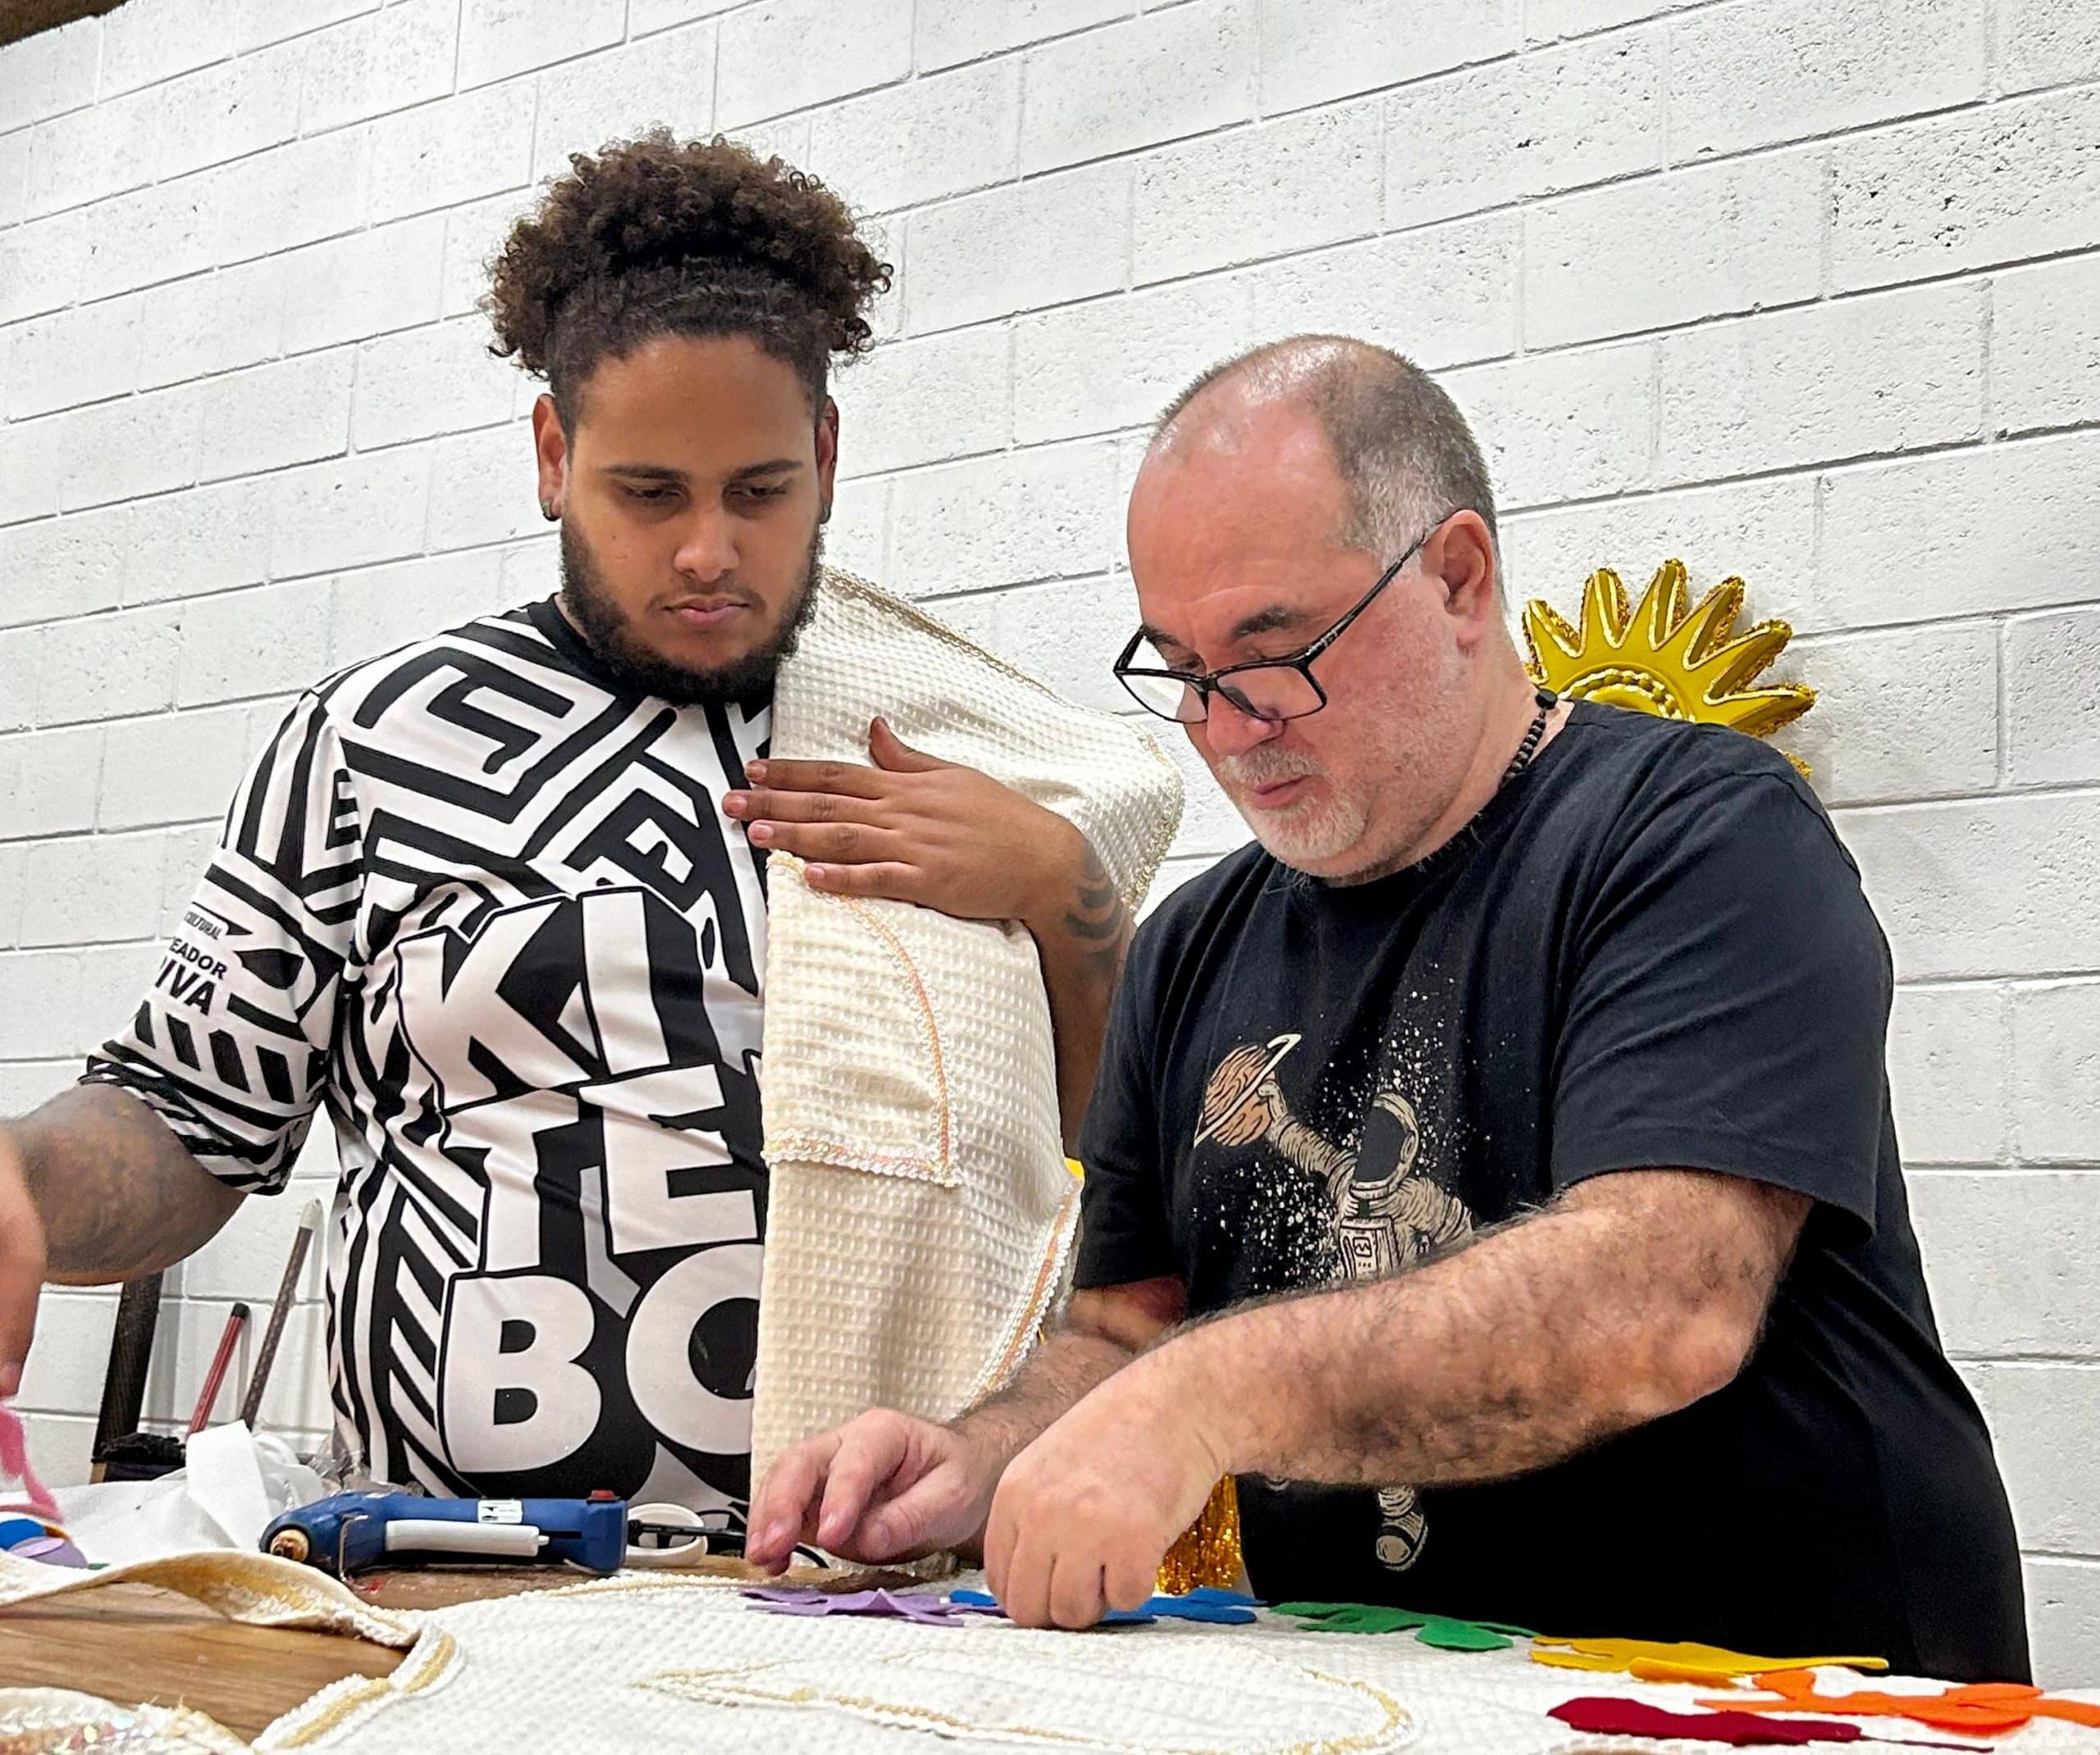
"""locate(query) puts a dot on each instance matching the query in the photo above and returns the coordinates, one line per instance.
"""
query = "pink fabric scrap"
(15, 1460)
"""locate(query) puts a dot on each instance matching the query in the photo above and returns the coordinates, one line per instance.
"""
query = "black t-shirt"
(1649, 950)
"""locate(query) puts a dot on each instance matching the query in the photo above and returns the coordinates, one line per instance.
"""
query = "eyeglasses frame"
(1212, 681)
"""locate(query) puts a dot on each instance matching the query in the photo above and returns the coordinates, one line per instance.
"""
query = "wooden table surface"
(133, 1644)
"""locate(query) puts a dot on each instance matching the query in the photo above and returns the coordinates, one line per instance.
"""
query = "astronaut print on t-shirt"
(1383, 1213)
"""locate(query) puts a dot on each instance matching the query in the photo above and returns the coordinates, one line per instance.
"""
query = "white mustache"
(1264, 766)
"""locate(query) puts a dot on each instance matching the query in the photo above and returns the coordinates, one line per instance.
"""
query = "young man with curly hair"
(500, 900)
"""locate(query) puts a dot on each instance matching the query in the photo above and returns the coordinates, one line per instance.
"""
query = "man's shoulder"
(1640, 789)
(1201, 909)
(494, 687)
(504, 642)
(1638, 765)
(1644, 744)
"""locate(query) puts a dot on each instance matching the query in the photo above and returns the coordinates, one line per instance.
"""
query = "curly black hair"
(653, 236)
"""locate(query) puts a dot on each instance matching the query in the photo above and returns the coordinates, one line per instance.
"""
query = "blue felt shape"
(1224, 1608)
(983, 1599)
(1227, 1608)
(16, 1529)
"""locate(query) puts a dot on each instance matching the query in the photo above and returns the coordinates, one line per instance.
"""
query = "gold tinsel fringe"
(1209, 1550)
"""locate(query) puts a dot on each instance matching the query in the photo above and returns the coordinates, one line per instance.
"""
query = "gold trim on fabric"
(256, 1590)
(1207, 1552)
(431, 1660)
(741, 1685)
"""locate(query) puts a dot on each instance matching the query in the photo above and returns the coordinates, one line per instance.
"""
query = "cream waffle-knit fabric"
(919, 1210)
(664, 1662)
(671, 1661)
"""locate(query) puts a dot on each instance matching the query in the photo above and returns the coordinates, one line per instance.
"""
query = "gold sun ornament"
(1667, 655)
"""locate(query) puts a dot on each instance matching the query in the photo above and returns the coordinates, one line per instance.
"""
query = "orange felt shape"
(1974, 1706)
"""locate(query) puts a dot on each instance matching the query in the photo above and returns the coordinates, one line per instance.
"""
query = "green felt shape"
(1446, 1633)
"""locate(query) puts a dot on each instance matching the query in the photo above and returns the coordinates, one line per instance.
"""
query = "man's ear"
(550, 446)
(827, 455)
(1462, 555)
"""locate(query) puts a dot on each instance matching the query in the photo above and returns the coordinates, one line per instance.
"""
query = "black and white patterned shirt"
(483, 902)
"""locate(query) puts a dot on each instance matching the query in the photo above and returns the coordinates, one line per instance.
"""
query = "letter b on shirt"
(514, 1396)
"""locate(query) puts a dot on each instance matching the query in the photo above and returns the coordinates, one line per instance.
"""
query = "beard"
(1376, 813)
(609, 632)
(1300, 835)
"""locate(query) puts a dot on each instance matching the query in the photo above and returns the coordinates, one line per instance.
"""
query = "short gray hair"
(1405, 452)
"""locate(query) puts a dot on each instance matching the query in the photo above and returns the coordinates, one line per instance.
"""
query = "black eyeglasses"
(1273, 690)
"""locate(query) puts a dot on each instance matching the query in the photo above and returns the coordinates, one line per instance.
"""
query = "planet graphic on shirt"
(1240, 1104)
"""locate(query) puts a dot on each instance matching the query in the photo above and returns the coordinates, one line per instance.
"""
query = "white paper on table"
(234, 1483)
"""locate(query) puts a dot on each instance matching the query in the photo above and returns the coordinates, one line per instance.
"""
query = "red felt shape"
(1637, 1718)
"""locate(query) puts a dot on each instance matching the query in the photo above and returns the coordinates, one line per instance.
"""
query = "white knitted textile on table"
(670, 1663)
(666, 1662)
(919, 1209)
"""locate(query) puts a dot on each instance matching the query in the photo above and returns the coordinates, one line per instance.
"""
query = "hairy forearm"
(1544, 1336)
(1081, 931)
(1103, 1331)
(118, 1193)
(1056, 1375)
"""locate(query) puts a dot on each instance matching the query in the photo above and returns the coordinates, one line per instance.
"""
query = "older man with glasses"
(1492, 1167)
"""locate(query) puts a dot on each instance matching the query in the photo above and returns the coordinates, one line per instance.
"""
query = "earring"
(824, 512)
(549, 511)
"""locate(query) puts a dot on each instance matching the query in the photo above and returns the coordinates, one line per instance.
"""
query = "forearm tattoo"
(1099, 921)
(119, 1194)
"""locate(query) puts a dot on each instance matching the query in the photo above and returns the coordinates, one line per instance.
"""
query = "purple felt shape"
(930, 1612)
(53, 1551)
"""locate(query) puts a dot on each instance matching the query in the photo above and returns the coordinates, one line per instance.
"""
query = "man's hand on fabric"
(889, 1487)
(1083, 1516)
(914, 828)
(882, 1487)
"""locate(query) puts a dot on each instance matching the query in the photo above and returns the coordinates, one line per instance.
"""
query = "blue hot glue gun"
(353, 1531)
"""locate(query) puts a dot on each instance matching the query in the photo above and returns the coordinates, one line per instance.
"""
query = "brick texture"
(1800, 292)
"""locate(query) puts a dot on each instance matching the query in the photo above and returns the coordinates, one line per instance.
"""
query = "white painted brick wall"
(949, 31)
(926, 138)
(1183, 70)
(619, 93)
(783, 54)
(1312, 54)
(1803, 291)
(1048, 241)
